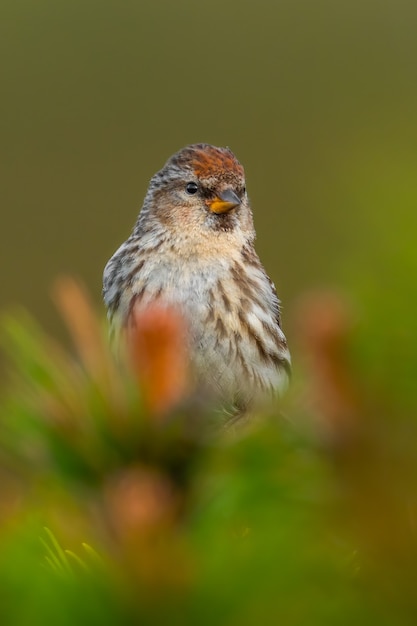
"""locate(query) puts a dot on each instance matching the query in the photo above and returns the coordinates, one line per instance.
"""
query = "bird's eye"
(243, 191)
(192, 188)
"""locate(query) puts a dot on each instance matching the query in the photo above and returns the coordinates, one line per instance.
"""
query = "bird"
(192, 248)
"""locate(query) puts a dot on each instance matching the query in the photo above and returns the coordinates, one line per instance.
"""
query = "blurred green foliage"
(111, 513)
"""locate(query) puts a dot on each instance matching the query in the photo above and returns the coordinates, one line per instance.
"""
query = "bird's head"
(200, 193)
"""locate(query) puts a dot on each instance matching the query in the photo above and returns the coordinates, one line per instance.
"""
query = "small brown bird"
(193, 248)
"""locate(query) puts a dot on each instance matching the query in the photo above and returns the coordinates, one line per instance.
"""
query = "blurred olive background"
(317, 99)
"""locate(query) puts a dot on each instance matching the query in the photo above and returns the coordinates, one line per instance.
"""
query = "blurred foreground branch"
(309, 520)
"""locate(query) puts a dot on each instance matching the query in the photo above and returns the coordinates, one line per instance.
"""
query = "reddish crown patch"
(209, 161)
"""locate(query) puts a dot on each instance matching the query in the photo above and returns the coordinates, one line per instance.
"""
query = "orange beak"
(225, 201)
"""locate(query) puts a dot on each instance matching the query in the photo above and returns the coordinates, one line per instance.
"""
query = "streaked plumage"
(192, 247)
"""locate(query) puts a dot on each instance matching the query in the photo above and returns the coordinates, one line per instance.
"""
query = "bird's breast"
(236, 346)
